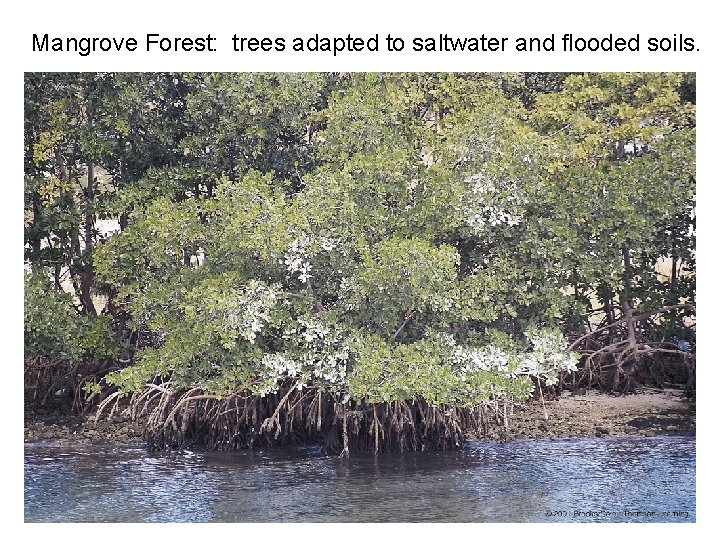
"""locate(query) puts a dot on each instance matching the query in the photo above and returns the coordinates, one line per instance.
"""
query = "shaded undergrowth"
(60, 384)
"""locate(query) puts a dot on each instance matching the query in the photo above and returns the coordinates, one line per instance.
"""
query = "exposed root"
(59, 383)
(618, 357)
(191, 418)
(112, 398)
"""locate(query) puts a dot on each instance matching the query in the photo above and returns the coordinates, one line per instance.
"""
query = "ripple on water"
(574, 480)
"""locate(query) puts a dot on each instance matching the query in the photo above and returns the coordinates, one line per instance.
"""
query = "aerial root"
(192, 418)
(61, 383)
(617, 357)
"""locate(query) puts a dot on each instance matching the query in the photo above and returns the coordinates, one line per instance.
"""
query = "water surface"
(628, 479)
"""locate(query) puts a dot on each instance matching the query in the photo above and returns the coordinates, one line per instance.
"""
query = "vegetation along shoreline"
(369, 262)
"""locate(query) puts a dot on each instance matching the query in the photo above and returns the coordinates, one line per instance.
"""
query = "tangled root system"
(623, 369)
(193, 419)
(59, 383)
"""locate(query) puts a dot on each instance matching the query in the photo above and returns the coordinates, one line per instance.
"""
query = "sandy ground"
(592, 414)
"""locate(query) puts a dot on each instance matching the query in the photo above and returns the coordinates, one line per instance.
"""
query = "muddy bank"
(594, 414)
(591, 414)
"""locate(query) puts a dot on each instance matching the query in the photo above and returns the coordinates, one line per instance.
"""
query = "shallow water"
(629, 479)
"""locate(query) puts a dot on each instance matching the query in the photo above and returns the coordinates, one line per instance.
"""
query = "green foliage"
(386, 372)
(55, 329)
(444, 371)
(399, 279)
(623, 182)
(267, 129)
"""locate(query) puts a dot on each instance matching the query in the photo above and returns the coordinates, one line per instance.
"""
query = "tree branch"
(636, 317)
(407, 319)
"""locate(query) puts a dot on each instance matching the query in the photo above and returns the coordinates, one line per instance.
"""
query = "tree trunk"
(35, 255)
(87, 276)
(626, 304)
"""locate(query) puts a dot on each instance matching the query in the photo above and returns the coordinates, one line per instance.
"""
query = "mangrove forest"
(371, 262)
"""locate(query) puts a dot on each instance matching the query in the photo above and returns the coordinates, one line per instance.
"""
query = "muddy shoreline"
(589, 414)
(594, 414)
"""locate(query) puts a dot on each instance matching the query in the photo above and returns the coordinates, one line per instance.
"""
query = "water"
(629, 479)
